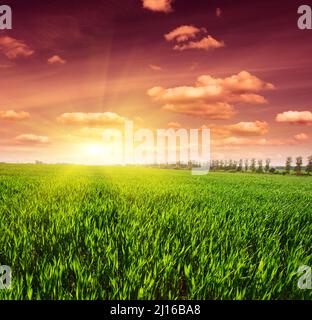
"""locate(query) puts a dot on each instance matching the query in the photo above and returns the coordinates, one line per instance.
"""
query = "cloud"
(158, 5)
(241, 129)
(256, 128)
(31, 139)
(214, 111)
(243, 82)
(212, 98)
(155, 67)
(239, 141)
(56, 59)
(301, 137)
(207, 43)
(5, 66)
(218, 13)
(14, 49)
(295, 117)
(11, 115)
(174, 125)
(91, 119)
(185, 34)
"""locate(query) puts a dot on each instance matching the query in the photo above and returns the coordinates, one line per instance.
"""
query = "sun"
(94, 149)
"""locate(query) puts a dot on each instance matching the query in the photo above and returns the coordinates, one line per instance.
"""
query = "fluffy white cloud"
(295, 117)
(210, 97)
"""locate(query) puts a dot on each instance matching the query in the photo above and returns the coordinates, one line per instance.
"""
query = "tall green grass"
(73, 232)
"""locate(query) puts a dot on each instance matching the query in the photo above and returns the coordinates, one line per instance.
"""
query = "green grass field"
(74, 232)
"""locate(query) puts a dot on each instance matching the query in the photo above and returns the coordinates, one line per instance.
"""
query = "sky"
(69, 70)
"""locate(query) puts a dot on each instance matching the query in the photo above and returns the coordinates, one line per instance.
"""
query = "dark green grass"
(73, 232)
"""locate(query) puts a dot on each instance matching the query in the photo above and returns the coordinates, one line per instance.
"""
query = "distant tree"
(260, 166)
(267, 165)
(234, 165)
(196, 164)
(217, 165)
(246, 165)
(309, 165)
(230, 166)
(298, 167)
(221, 165)
(288, 164)
(226, 165)
(212, 165)
(272, 170)
(240, 165)
(253, 165)
(190, 164)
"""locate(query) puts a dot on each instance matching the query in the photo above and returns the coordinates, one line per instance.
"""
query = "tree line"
(260, 166)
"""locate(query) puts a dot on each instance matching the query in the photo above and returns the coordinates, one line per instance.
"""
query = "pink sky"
(241, 68)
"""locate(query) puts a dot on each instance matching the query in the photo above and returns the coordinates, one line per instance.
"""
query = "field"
(75, 232)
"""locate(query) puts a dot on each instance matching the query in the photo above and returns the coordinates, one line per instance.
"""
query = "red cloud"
(158, 5)
(301, 137)
(13, 115)
(31, 139)
(56, 60)
(243, 82)
(295, 117)
(206, 43)
(214, 111)
(234, 141)
(249, 128)
(91, 119)
(218, 12)
(238, 141)
(183, 33)
(155, 67)
(14, 49)
(212, 98)
(256, 128)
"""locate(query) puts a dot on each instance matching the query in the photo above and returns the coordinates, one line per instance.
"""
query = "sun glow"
(97, 154)
(94, 149)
